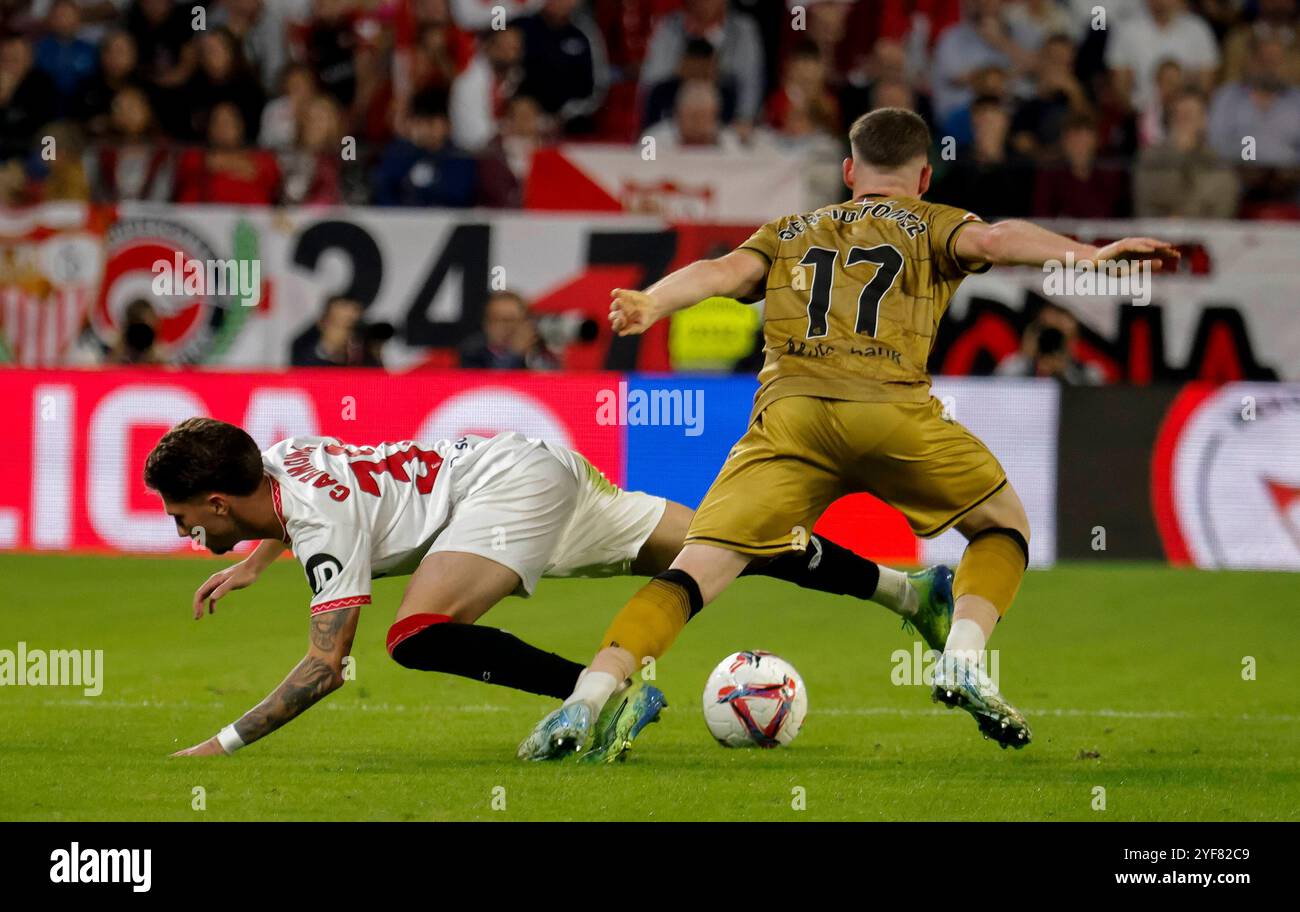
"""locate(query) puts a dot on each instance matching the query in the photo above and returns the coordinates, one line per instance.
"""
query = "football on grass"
(754, 699)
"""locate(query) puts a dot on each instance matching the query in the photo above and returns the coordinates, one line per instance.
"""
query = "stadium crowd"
(1174, 108)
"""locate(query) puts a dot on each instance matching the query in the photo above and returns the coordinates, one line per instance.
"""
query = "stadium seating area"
(1064, 108)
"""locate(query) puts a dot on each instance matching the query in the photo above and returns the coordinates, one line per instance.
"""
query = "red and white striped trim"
(334, 605)
(278, 504)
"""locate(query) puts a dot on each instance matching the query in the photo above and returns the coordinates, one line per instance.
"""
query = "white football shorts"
(551, 513)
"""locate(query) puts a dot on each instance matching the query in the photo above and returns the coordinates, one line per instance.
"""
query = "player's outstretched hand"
(236, 576)
(208, 748)
(1133, 249)
(631, 312)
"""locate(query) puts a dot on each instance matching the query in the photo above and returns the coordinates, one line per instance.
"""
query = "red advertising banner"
(77, 440)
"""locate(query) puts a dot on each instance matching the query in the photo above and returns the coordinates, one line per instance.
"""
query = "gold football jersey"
(854, 295)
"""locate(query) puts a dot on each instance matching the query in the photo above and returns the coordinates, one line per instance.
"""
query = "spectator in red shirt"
(505, 162)
(440, 54)
(1078, 187)
(374, 102)
(227, 171)
(803, 89)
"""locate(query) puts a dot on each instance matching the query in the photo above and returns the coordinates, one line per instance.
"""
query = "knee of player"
(1022, 526)
(412, 640)
(1008, 514)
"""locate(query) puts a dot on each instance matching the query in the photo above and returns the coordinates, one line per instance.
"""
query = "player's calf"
(991, 568)
(986, 583)
(434, 642)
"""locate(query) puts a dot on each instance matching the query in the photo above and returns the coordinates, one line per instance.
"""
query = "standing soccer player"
(854, 294)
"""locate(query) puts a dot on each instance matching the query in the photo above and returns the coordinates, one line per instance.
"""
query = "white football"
(754, 699)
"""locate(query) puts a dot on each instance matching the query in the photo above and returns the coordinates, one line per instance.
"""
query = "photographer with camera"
(509, 340)
(136, 343)
(1047, 350)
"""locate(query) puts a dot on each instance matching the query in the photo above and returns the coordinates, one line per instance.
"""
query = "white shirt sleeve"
(1120, 52)
(336, 559)
(1205, 50)
(470, 108)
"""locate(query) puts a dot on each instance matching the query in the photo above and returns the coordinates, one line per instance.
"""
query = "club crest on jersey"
(321, 569)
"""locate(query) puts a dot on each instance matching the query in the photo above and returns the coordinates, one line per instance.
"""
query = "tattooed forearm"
(325, 628)
(311, 680)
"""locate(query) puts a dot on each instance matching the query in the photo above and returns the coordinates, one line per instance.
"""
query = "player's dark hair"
(889, 138)
(201, 456)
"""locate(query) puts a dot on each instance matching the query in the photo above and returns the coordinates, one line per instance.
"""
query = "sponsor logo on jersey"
(321, 570)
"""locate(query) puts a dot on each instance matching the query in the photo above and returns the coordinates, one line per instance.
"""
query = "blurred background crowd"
(1183, 108)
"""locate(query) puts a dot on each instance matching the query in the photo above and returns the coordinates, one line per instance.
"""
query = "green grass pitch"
(1132, 678)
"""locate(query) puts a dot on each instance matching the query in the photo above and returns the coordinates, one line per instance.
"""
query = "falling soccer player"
(854, 294)
(471, 521)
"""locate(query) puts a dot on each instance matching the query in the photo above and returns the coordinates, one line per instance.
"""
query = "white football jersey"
(353, 513)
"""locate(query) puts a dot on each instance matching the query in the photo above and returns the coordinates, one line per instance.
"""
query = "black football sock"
(825, 567)
(431, 642)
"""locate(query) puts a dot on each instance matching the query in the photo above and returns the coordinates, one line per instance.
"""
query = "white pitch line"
(1099, 713)
(398, 708)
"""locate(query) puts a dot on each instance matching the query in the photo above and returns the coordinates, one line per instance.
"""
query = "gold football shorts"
(802, 453)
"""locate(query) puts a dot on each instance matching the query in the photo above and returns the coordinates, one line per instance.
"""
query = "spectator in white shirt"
(1038, 20)
(1262, 109)
(1136, 48)
(734, 35)
(480, 94)
(982, 38)
(696, 122)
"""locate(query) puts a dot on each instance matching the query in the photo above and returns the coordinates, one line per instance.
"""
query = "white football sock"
(895, 592)
(594, 688)
(967, 638)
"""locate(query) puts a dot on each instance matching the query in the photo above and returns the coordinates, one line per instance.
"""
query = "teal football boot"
(624, 716)
(933, 618)
(562, 732)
